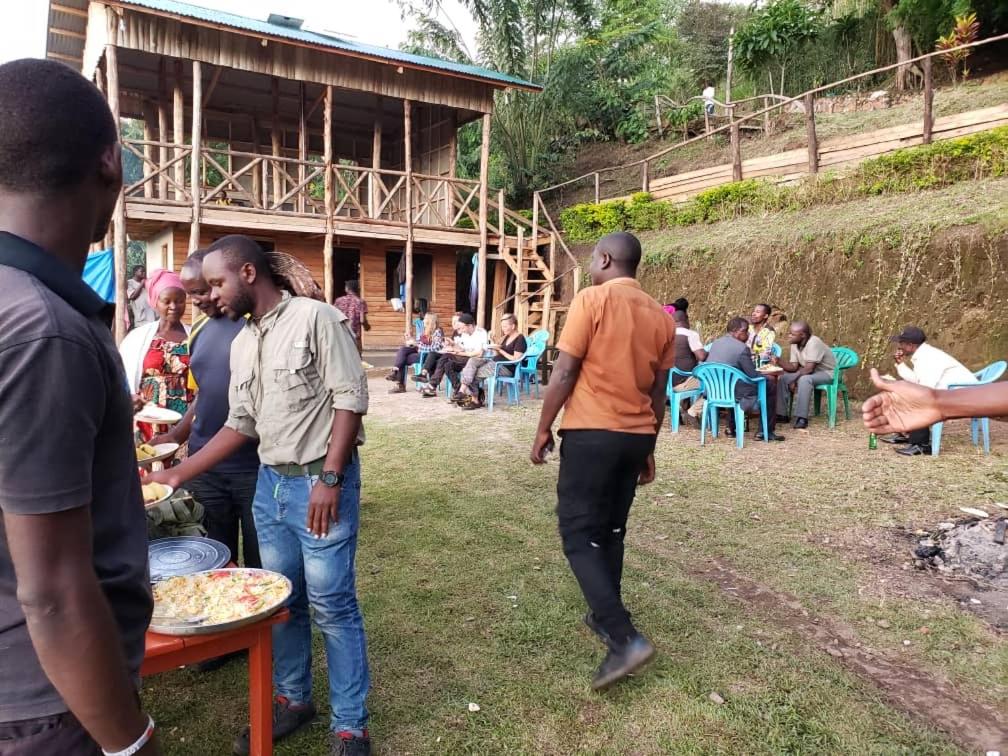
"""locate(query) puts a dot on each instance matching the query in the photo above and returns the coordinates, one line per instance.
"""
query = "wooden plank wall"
(139, 30)
(386, 323)
(834, 153)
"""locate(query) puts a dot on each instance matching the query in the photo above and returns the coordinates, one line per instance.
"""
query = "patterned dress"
(164, 381)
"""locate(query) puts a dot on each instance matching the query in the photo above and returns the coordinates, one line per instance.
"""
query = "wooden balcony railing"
(289, 186)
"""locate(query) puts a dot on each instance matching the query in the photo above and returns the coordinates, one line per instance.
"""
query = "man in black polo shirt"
(75, 600)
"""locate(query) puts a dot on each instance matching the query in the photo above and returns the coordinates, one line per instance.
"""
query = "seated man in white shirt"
(471, 342)
(919, 362)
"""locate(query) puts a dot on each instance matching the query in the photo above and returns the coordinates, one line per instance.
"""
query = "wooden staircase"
(539, 274)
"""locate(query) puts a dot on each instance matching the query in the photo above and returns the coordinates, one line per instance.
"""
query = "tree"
(774, 35)
(916, 26)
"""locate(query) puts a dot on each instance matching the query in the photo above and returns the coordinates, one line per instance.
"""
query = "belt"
(315, 467)
(293, 470)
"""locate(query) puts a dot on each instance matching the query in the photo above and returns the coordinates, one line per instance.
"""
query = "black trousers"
(227, 504)
(596, 486)
(921, 437)
(58, 734)
(451, 364)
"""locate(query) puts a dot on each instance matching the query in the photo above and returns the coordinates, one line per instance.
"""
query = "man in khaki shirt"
(616, 350)
(298, 387)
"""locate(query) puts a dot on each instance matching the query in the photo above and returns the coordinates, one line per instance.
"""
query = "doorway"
(345, 267)
(423, 278)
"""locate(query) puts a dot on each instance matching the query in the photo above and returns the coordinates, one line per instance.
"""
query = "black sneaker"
(773, 436)
(801, 423)
(287, 720)
(595, 627)
(345, 744)
(626, 660)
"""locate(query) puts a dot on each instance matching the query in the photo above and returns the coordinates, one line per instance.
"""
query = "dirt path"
(973, 725)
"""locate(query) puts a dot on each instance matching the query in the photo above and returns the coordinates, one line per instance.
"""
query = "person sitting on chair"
(919, 362)
(731, 350)
(431, 339)
(689, 352)
(512, 348)
(810, 364)
(472, 342)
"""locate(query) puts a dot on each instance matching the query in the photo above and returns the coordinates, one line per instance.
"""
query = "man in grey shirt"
(75, 598)
(731, 349)
(810, 364)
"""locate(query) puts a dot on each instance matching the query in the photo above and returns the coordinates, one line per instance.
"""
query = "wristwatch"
(331, 478)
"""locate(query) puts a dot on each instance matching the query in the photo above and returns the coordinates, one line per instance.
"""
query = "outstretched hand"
(647, 475)
(900, 406)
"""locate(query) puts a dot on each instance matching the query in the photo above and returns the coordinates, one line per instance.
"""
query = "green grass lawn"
(467, 598)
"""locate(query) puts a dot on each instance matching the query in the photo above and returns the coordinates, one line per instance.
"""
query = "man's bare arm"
(71, 625)
(562, 381)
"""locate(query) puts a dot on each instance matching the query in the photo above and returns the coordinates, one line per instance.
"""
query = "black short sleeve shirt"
(66, 441)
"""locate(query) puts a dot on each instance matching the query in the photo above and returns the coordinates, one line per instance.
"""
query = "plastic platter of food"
(155, 493)
(155, 415)
(148, 455)
(770, 369)
(216, 600)
(185, 555)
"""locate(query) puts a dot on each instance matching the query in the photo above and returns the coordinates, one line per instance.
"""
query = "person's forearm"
(979, 401)
(71, 612)
(343, 440)
(658, 397)
(560, 387)
(180, 433)
(225, 442)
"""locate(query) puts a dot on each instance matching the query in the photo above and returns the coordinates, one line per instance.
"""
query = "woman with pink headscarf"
(156, 355)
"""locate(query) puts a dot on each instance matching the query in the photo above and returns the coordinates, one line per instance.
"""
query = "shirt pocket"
(297, 378)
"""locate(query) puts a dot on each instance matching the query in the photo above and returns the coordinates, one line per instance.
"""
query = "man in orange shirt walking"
(615, 354)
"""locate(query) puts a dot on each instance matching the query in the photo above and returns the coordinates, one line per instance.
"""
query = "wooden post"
(548, 288)
(736, 147)
(376, 147)
(119, 214)
(598, 194)
(535, 222)
(149, 118)
(275, 140)
(195, 175)
(481, 277)
(452, 167)
(645, 176)
(408, 166)
(327, 159)
(501, 238)
(257, 174)
(302, 147)
(813, 142)
(706, 119)
(178, 128)
(766, 116)
(162, 129)
(521, 307)
(928, 100)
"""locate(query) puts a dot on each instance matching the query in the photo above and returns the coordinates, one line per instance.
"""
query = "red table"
(168, 652)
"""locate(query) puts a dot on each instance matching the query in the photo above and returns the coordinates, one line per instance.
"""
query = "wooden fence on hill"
(838, 153)
(791, 165)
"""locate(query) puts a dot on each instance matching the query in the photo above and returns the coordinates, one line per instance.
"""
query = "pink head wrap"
(669, 309)
(158, 282)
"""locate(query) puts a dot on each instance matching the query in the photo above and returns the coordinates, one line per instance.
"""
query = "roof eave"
(496, 83)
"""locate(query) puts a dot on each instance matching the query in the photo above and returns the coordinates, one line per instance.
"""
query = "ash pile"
(974, 549)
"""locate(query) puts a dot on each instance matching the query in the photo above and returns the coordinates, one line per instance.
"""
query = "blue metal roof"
(326, 40)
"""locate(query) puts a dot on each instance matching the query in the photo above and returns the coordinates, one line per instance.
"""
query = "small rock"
(537, 568)
(946, 526)
(975, 601)
(716, 698)
(474, 707)
(884, 624)
(906, 643)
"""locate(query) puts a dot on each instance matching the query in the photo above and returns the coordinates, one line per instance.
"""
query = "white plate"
(164, 451)
(149, 504)
(155, 415)
(770, 369)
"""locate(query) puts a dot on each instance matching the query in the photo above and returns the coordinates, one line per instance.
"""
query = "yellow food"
(219, 595)
(146, 451)
(153, 492)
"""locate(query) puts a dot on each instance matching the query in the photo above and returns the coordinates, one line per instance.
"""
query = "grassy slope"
(445, 546)
(969, 96)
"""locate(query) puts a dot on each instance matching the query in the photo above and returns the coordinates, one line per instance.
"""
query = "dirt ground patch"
(914, 691)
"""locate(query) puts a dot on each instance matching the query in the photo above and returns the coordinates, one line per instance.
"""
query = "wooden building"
(340, 153)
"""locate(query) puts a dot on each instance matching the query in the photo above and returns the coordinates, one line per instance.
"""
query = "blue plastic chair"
(528, 371)
(718, 382)
(989, 374)
(497, 381)
(676, 397)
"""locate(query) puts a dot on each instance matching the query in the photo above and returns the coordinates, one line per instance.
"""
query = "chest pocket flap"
(296, 375)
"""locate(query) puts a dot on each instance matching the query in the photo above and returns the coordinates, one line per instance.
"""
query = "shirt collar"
(269, 319)
(54, 274)
(623, 281)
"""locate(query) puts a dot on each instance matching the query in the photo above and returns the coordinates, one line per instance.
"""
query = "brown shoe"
(428, 393)
(397, 389)
(471, 403)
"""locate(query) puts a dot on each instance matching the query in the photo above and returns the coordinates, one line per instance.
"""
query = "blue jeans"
(322, 571)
